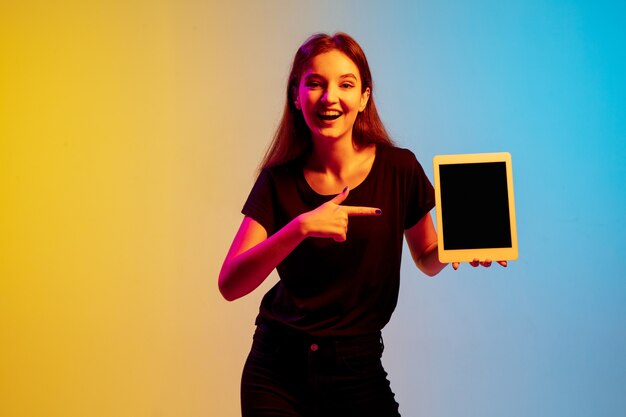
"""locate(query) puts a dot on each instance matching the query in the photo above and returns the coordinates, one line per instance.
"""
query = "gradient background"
(130, 132)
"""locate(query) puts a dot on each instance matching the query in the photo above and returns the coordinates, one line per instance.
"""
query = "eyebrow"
(314, 74)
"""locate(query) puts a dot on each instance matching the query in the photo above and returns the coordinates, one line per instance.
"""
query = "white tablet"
(475, 207)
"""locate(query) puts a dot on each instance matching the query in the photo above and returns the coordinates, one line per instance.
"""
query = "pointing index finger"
(362, 211)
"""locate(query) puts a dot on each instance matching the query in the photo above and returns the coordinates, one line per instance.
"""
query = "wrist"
(300, 226)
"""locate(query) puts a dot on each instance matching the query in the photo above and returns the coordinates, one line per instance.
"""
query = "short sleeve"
(260, 203)
(420, 194)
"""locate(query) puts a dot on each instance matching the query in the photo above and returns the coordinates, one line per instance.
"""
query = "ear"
(364, 99)
(296, 99)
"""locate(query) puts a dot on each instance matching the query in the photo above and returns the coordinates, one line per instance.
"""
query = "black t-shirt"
(349, 288)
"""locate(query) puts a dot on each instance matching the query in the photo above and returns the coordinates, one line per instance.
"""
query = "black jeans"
(292, 374)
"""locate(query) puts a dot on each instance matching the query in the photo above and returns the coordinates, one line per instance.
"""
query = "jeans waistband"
(284, 335)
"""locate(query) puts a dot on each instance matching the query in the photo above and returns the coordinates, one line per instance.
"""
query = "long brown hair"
(293, 137)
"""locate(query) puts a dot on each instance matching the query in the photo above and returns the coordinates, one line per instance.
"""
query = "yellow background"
(121, 126)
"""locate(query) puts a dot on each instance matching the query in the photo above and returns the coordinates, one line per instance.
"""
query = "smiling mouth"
(329, 115)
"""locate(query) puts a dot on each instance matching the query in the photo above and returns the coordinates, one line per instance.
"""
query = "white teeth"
(330, 113)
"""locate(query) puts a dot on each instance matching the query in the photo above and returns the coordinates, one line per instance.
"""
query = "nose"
(330, 95)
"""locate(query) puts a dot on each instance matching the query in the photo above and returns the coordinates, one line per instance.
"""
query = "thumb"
(339, 198)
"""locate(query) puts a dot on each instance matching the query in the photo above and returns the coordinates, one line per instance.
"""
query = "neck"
(333, 156)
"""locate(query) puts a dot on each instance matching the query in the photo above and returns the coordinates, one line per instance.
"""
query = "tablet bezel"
(468, 255)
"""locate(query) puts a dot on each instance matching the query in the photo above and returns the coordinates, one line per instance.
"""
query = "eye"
(347, 85)
(313, 84)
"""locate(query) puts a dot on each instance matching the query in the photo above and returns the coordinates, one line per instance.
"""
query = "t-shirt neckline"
(355, 189)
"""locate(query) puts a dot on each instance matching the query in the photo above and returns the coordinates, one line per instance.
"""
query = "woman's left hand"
(486, 263)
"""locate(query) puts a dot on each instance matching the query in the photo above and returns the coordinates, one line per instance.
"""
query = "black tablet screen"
(475, 206)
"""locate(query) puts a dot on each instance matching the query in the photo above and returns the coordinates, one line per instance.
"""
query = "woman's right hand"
(330, 220)
(253, 255)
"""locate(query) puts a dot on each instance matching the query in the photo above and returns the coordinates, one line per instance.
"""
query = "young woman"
(329, 211)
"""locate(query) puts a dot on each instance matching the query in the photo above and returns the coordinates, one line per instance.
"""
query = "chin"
(329, 134)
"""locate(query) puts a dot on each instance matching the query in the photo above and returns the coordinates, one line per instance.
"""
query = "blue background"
(545, 81)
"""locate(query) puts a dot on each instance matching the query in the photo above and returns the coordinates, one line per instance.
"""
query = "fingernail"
(345, 189)
(379, 211)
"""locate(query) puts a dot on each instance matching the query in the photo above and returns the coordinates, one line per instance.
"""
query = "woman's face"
(329, 96)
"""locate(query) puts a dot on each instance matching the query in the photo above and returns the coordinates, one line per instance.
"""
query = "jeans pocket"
(361, 359)
(265, 345)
